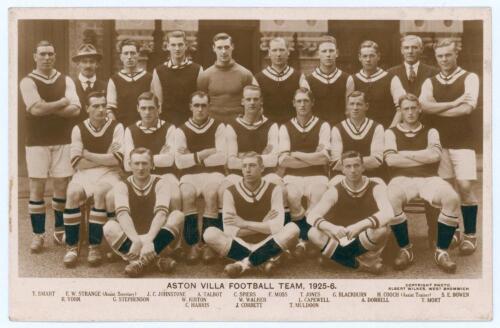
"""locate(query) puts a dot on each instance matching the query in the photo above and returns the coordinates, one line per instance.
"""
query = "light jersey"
(252, 206)
(154, 141)
(200, 137)
(177, 85)
(305, 139)
(353, 205)
(278, 89)
(251, 138)
(329, 92)
(48, 130)
(128, 89)
(455, 132)
(85, 136)
(419, 139)
(377, 89)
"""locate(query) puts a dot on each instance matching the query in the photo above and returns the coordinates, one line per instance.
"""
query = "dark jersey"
(142, 205)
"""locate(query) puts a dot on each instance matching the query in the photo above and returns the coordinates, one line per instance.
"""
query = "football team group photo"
(311, 156)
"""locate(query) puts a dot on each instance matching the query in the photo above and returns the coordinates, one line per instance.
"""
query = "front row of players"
(254, 225)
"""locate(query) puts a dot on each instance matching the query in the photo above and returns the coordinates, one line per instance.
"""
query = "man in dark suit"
(412, 73)
(87, 60)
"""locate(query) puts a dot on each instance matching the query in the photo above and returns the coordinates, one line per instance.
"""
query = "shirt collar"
(415, 66)
(185, 62)
(84, 79)
(150, 129)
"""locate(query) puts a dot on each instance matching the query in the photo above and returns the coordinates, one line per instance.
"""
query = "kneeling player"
(413, 152)
(144, 225)
(95, 153)
(253, 217)
(355, 231)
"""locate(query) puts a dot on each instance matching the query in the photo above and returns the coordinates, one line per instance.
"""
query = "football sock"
(210, 222)
(469, 214)
(162, 239)
(445, 230)
(125, 247)
(37, 215)
(346, 255)
(237, 251)
(288, 217)
(191, 235)
(97, 219)
(400, 231)
(304, 228)
(58, 207)
(264, 252)
(431, 215)
(111, 215)
(72, 218)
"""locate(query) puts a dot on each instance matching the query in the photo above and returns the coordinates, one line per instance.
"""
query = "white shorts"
(171, 178)
(305, 185)
(49, 161)
(270, 177)
(459, 164)
(429, 189)
(200, 180)
(89, 179)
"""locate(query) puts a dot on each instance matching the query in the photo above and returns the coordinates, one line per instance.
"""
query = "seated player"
(144, 225)
(349, 224)
(304, 142)
(200, 156)
(96, 155)
(358, 133)
(158, 136)
(253, 218)
(413, 152)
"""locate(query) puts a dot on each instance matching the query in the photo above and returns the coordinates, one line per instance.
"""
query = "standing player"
(254, 231)
(175, 80)
(413, 152)
(158, 136)
(304, 142)
(328, 83)
(360, 134)
(125, 86)
(449, 99)
(349, 224)
(278, 83)
(96, 155)
(382, 89)
(224, 81)
(144, 225)
(51, 106)
(87, 82)
(200, 156)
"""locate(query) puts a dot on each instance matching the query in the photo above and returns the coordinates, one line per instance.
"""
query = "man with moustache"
(328, 83)
(175, 80)
(278, 83)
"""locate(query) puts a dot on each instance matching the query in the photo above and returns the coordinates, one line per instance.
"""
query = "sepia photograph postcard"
(250, 164)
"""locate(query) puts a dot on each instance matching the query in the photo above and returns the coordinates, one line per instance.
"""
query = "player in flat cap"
(87, 59)
(51, 107)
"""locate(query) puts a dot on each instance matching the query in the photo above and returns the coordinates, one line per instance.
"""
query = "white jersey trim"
(199, 129)
(450, 79)
(308, 126)
(379, 74)
(132, 77)
(277, 76)
(45, 79)
(357, 193)
(251, 126)
(146, 189)
(326, 78)
(354, 132)
(252, 196)
(93, 131)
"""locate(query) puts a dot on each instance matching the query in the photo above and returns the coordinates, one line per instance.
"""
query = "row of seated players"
(200, 155)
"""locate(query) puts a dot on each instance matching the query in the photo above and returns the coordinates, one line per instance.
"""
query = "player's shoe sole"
(468, 245)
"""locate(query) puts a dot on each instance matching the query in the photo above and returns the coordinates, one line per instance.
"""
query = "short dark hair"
(199, 93)
(351, 154)
(369, 44)
(327, 39)
(128, 42)
(140, 151)
(43, 43)
(222, 36)
(305, 91)
(95, 94)
(357, 93)
(176, 34)
(148, 95)
(409, 97)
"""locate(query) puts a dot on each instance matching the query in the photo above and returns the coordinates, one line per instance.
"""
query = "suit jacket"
(424, 72)
(99, 85)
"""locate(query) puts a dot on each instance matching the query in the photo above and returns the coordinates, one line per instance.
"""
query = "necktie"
(88, 87)
(412, 76)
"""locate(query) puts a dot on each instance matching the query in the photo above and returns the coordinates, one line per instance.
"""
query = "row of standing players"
(455, 80)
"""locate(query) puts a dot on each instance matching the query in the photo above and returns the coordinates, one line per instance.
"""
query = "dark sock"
(237, 251)
(162, 239)
(469, 214)
(97, 219)
(58, 206)
(264, 252)
(72, 218)
(288, 217)
(111, 215)
(304, 228)
(125, 247)
(400, 232)
(431, 215)
(346, 255)
(191, 235)
(37, 216)
(444, 235)
(211, 222)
